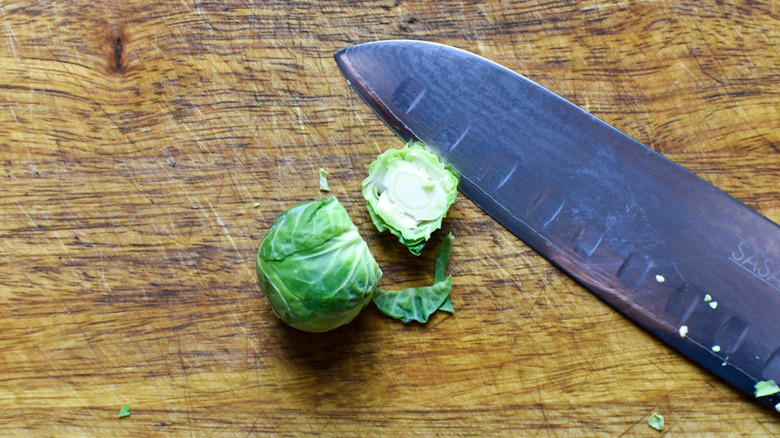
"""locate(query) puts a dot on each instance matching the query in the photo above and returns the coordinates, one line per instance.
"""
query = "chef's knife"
(684, 260)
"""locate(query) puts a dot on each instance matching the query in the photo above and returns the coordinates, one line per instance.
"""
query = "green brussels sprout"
(408, 192)
(315, 268)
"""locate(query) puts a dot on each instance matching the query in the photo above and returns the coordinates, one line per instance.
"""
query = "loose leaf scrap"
(419, 303)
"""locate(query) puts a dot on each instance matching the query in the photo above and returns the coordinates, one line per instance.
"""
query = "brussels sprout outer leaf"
(656, 421)
(315, 268)
(442, 258)
(446, 306)
(415, 303)
(297, 231)
(440, 263)
(324, 180)
(408, 192)
(124, 411)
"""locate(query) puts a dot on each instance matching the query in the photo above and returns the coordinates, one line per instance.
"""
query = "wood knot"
(118, 53)
(116, 43)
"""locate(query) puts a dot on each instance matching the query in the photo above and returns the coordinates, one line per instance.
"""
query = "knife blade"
(681, 258)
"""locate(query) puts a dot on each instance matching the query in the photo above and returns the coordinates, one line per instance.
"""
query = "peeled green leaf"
(408, 192)
(446, 306)
(324, 180)
(415, 303)
(124, 411)
(766, 387)
(656, 421)
(440, 263)
(419, 303)
(442, 258)
(315, 268)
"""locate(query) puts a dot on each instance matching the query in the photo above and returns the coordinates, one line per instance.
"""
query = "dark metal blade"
(689, 263)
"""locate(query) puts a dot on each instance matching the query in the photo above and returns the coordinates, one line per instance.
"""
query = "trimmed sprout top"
(408, 192)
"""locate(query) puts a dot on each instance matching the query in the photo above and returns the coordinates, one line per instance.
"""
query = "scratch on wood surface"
(247, 336)
(73, 393)
(543, 409)
(183, 367)
(48, 359)
(11, 38)
(27, 214)
(696, 55)
(634, 424)
(542, 294)
(106, 286)
(224, 226)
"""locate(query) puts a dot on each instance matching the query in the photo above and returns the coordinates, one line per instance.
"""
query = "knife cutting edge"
(690, 264)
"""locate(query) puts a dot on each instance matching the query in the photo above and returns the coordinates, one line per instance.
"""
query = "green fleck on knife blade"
(765, 388)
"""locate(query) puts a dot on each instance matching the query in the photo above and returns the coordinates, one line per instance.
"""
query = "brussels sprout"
(409, 191)
(315, 268)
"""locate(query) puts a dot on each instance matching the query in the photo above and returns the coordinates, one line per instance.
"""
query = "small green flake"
(324, 180)
(656, 421)
(766, 387)
(707, 298)
(124, 411)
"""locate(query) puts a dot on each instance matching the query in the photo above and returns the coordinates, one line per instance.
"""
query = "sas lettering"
(763, 267)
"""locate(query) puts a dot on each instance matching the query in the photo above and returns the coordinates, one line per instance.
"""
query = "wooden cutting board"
(146, 147)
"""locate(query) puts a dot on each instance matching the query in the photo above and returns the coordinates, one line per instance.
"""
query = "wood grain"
(136, 138)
